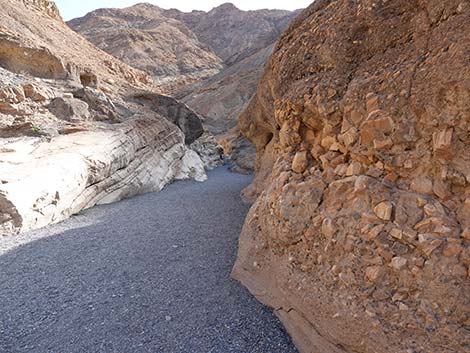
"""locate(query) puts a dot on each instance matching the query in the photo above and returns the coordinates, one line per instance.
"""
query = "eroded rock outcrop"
(46, 182)
(359, 233)
(72, 135)
(221, 52)
(178, 113)
(209, 150)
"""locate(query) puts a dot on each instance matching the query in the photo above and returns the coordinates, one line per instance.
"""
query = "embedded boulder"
(69, 109)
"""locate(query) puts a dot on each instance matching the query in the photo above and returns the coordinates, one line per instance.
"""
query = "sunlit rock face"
(46, 182)
(359, 234)
(72, 132)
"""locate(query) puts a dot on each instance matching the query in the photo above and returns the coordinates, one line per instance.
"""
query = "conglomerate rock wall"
(359, 235)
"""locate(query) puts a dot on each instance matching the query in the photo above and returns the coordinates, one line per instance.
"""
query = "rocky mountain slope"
(146, 38)
(234, 34)
(244, 40)
(174, 46)
(80, 128)
(223, 97)
(359, 236)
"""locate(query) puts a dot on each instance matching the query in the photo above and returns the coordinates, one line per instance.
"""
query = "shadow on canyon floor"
(150, 275)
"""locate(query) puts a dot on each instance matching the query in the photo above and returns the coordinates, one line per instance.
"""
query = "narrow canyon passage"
(148, 274)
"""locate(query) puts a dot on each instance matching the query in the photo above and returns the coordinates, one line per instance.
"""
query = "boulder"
(102, 107)
(178, 113)
(12, 94)
(208, 150)
(38, 93)
(69, 109)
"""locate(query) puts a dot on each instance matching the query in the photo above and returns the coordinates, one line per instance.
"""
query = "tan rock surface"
(366, 250)
(146, 38)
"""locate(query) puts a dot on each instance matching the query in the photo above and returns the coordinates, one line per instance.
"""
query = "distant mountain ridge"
(232, 33)
(145, 38)
(176, 47)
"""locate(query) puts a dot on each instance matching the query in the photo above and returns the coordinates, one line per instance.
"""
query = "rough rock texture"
(222, 98)
(359, 236)
(102, 108)
(69, 109)
(209, 150)
(144, 37)
(234, 34)
(72, 134)
(239, 151)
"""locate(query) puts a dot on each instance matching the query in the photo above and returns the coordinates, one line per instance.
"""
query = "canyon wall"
(359, 235)
(212, 61)
(80, 128)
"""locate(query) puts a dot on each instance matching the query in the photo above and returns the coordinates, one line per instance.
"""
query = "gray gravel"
(148, 274)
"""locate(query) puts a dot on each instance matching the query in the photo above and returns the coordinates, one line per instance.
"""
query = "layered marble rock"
(72, 132)
(44, 181)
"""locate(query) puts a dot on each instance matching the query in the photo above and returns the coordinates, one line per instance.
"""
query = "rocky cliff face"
(73, 131)
(359, 236)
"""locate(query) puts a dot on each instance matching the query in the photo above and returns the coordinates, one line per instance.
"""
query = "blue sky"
(77, 8)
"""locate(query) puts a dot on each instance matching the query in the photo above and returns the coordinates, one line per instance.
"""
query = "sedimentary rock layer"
(359, 235)
(43, 182)
(72, 132)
